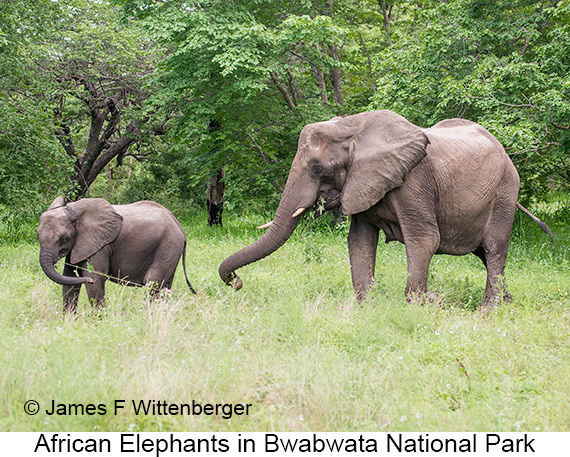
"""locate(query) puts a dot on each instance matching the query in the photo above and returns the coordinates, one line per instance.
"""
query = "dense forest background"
(162, 99)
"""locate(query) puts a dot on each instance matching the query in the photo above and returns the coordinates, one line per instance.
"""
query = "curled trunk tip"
(230, 278)
(47, 262)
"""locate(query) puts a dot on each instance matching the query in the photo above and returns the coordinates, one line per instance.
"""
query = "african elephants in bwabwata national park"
(447, 189)
(134, 244)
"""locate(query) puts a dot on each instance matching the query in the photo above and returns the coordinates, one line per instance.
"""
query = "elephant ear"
(382, 153)
(96, 225)
(57, 203)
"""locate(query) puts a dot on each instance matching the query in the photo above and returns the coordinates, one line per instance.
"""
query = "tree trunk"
(215, 198)
(336, 77)
(320, 77)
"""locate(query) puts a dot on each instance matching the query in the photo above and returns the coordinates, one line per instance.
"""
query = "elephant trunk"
(278, 233)
(47, 262)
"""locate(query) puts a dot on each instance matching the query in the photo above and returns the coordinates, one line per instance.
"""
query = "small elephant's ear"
(57, 203)
(96, 225)
(382, 153)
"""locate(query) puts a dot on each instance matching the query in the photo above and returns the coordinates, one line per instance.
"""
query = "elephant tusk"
(298, 212)
(264, 226)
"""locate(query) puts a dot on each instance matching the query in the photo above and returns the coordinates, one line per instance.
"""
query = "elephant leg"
(168, 283)
(495, 290)
(157, 280)
(156, 287)
(96, 289)
(495, 270)
(495, 246)
(362, 246)
(161, 271)
(496, 250)
(419, 252)
(70, 292)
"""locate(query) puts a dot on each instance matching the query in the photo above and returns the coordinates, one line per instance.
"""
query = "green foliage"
(32, 162)
(502, 64)
(260, 70)
(60, 73)
(230, 85)
(243, 78)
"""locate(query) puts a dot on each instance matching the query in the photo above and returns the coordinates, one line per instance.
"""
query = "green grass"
(295, 343)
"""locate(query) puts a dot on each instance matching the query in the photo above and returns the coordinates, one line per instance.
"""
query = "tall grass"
(295, 343)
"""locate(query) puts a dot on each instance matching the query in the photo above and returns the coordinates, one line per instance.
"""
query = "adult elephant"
(448, 189)
(131, 244)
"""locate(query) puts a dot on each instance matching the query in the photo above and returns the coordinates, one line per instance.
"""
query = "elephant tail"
(542, 225)
(184, 268)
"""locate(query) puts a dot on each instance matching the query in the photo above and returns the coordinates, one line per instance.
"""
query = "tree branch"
(386, 15)
(63, 136)
(320, 77)
(370, 74)
(283, 90)
(261, 152)
(536, 149)
(335, 75)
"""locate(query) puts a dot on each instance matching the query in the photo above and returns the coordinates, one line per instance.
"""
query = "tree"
(503, 64)
(100, 95)
(81, 89)
(31, 160)
(88, 75)
(259, 71)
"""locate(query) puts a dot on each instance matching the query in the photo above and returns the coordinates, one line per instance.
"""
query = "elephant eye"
(63, 239)
(317, 169)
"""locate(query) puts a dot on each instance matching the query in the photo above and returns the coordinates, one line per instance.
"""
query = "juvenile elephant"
(131, 244)
(448, 189)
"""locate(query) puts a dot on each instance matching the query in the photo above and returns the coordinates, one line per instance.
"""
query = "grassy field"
(294, 343)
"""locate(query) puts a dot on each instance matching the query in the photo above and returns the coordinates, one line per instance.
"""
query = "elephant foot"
(70, 310)
(492, 301)
(70, 305)
(97, 303)
(490, 305)
(424, 298)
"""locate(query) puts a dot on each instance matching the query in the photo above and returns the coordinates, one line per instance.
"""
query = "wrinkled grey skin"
(448, 189)
(131, 244)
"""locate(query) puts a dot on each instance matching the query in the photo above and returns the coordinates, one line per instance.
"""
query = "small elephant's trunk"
(47, 262)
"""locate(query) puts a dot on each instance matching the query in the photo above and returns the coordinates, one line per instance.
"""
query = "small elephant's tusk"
(298, 212)
(264, 226)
